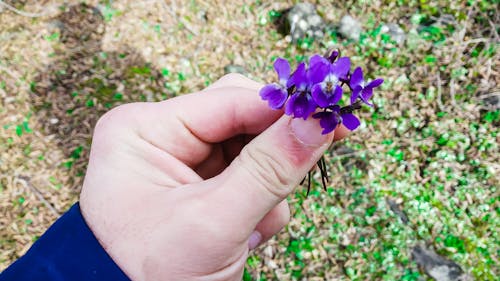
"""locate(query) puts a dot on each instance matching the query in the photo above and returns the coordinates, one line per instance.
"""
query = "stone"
(348, 158)
(202, 15)
(397, 210)
(491, 101)
(305, 22)
(350, 28)
(446, 19)
(437, 267)
(234, 68)
(395, 31)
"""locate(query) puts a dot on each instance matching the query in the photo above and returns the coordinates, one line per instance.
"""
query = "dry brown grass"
(35, 186)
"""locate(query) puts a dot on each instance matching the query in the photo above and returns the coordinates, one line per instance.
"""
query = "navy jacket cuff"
(68, 250)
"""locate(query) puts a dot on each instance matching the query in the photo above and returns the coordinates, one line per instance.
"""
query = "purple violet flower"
(329, 120)
(362, 89)
(300, 104)
(277, 93)
(326, 91)
(319, 88)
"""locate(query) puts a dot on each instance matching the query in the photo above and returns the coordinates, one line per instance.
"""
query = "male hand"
(183, 189)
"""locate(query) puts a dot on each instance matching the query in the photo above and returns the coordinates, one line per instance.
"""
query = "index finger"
(187, 126)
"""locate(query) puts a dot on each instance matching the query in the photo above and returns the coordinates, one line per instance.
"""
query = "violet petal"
(289, 106)
(375, 83)
(316, 59)
(282, 67)
(318, 69)
(337, 95)
(274, 94)
(355, 93)
(350, 121)
(299, 77)
(341, 67)
(366, 94)
(327, 120)
(356, 77)
(300, 105)
(319, 96)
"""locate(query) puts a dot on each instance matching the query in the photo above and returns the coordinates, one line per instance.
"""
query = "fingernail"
(254, 240)
(308, 131)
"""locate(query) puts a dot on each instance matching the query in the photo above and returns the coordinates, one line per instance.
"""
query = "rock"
(446, 19)
(397, 210)
(437, 267)
(234, 68)
(268, 251)
(343, 150)
(395, 31)
(202, 15)
(304, 21)
(350, 28)
(442, 21)
(492, 101)
(348, 158)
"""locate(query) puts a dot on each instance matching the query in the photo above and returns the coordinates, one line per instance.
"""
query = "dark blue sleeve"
(68, 251)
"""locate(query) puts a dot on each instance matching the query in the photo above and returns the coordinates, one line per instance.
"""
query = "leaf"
(52, 37)
(181, 76)
(26, 127)
(19, 130)
(118, 96)
(492, 116)
(431, 60)
(108, 13)
(371, 211)
(89, 103)
(77, 152)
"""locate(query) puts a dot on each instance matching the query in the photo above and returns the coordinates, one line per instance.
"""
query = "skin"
(183, 189)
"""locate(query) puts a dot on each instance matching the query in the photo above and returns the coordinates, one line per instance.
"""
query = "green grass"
(424, 150)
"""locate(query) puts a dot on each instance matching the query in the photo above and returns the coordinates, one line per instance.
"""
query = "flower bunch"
(317, 89)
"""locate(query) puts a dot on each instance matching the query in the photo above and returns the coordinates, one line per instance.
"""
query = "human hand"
(182, 189)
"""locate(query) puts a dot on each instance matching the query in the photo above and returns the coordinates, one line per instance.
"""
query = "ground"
(423, 169)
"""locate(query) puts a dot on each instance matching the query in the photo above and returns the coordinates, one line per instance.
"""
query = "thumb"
(269, 167)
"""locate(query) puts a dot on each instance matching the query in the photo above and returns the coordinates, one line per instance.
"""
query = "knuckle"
(235, 80)
(103, 122)
(269, 172)
(108, 117)
(113, 124)
(116, 116)
(235, 77)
